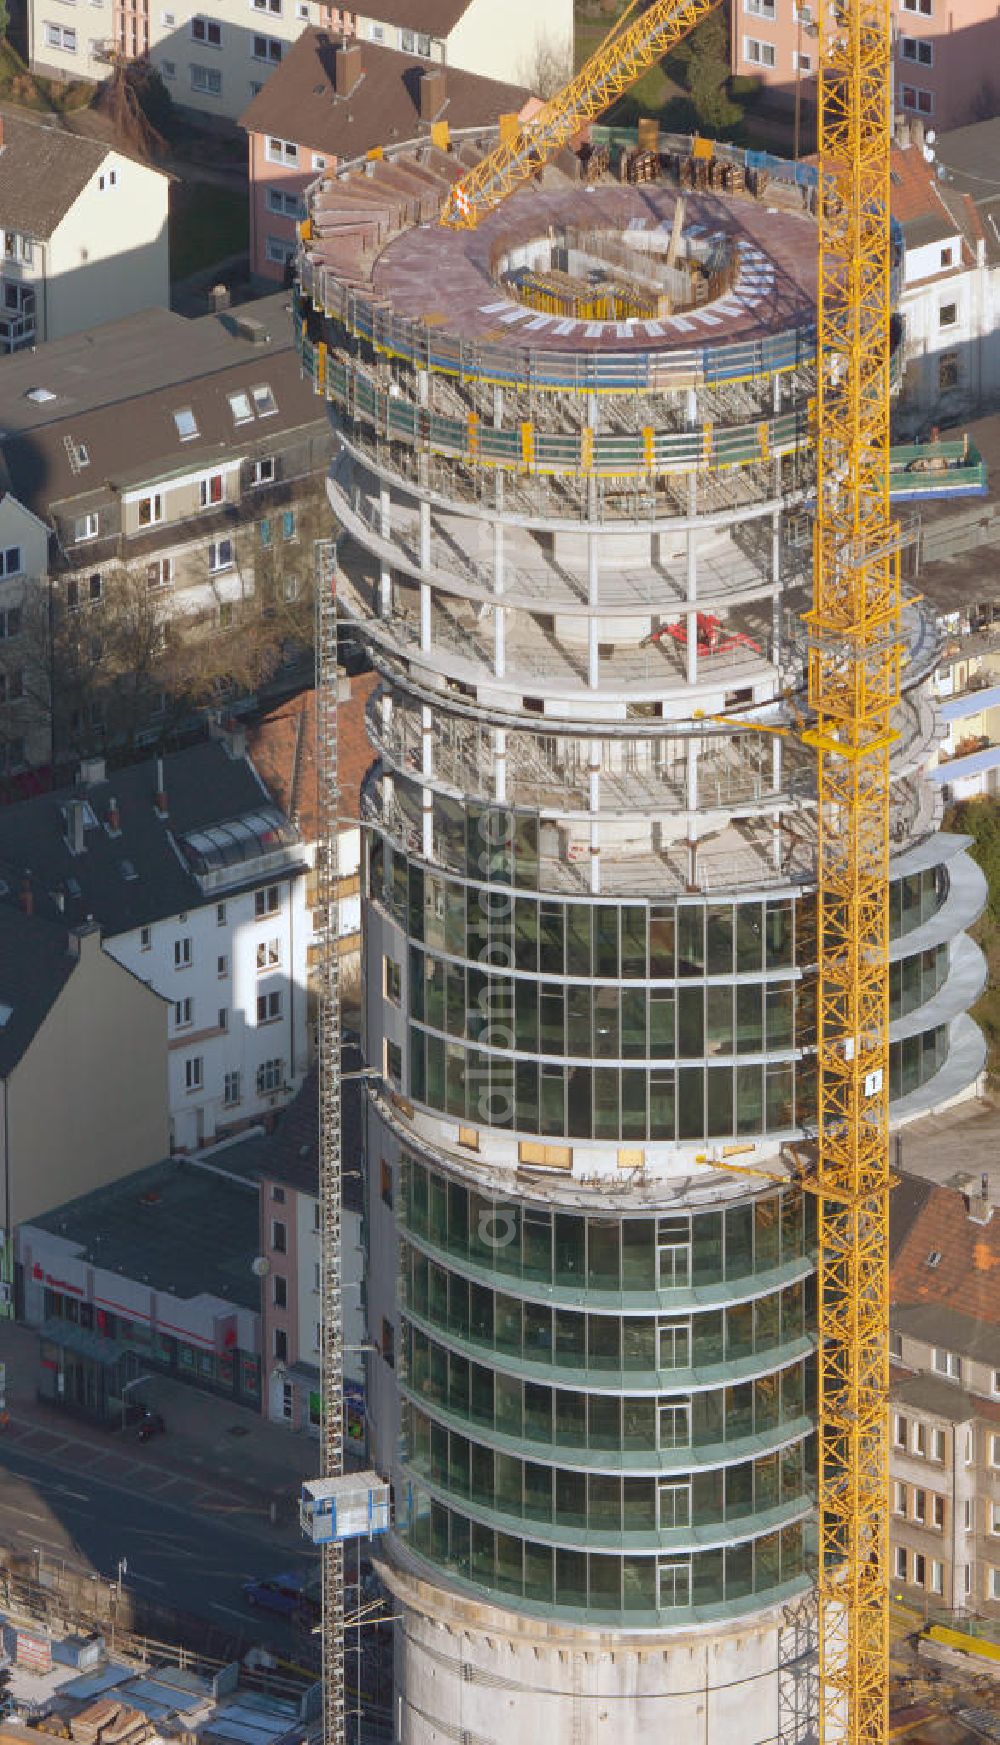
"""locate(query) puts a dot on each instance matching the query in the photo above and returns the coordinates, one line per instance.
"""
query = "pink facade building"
(332, 100)
(946, 66)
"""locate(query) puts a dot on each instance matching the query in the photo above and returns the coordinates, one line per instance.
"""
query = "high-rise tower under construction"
(573, 462)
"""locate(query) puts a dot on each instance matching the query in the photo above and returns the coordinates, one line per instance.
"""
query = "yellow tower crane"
(854, 682)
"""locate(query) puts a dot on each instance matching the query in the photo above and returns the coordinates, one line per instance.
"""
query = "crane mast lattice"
(622, 58)
(854, 685)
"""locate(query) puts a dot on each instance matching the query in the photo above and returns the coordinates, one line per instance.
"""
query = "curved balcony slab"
(965, 902)
(677, 1539)
(966, 1060)
(676, 1301)
(965, 981)
(705, 1456)
(657, 1383)
(727, 576)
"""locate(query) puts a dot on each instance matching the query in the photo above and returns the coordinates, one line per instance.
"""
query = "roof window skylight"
(187, 423)
(237, 841)
(264, 401)
(241, 408)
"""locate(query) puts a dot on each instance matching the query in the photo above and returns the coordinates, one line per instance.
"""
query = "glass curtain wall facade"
(589, 928)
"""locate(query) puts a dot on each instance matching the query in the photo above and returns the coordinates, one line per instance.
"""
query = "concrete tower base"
(486, 1676)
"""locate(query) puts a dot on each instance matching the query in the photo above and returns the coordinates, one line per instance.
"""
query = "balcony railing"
(937, 469)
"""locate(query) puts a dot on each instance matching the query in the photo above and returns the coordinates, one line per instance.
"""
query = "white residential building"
(197, 881)
(84, 229)
(24, 561)
(465, 34)
(177, 461)
(290, 1244)
(949, 301)
(216, 55)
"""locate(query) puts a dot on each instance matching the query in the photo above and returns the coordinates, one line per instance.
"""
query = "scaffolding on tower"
(338, 1505)
(331, 1328)
(855, 659)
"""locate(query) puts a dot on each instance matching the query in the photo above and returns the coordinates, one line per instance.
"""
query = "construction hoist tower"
(338, 1505)
(524, 481)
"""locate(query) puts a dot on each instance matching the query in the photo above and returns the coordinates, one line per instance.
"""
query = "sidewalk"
(226, 1446)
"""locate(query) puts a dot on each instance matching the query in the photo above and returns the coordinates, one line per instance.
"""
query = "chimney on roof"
(980, 1210)
(91, 773)
(76, 837)
(346, 67)
(160, 797)
(84, 930)
(231, 736)
(27, 897)
(433, 92)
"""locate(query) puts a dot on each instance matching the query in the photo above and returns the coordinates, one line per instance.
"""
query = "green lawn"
(207, 224)
(656, 93)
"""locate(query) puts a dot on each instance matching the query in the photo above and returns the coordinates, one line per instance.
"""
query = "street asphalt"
(186, 1545)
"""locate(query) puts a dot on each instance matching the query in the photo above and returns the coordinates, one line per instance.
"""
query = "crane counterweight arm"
(611, 71)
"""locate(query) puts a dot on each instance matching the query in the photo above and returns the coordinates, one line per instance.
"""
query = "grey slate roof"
(204, 786)
(43, 170)
(116, 390)
(931, 1393)
(35, 965)
(971, 156)
(929, 227)
(140, 354)
(175, 1226)
(949, 1329)
(291, 1153)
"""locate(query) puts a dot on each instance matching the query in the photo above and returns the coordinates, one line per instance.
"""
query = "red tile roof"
(966, 1279)
(916, 194)
(299, 101)
(913, 178)
(283, 748)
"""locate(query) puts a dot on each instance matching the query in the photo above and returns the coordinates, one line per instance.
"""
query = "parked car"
(293, 1596)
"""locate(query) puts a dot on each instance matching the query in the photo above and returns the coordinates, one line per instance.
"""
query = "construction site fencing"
(60, 1596)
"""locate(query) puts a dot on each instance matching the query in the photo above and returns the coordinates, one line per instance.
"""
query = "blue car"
(292, 1596)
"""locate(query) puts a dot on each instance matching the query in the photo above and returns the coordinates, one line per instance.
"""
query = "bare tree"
(126, 661)
(548, 66)
(95, 648)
